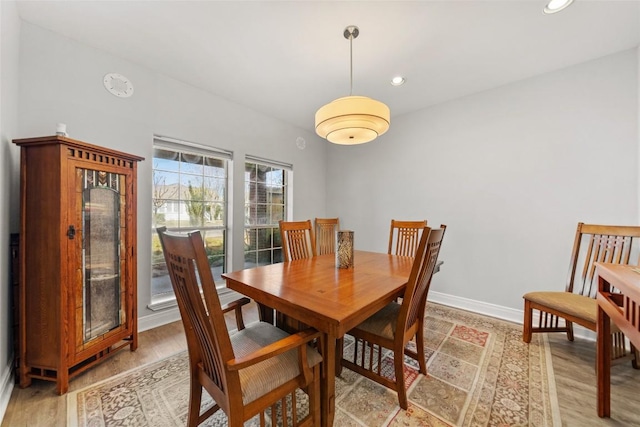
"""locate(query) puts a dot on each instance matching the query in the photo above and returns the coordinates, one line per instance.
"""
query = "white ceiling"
(288, 58)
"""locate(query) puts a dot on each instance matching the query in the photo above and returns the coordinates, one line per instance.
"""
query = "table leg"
(328, 383)
(603, 363)
(339, 350)
(265, 314)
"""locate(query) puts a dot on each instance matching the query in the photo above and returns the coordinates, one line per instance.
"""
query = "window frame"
(287, 185)
(167, 299)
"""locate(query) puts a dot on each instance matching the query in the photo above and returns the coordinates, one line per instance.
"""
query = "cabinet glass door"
(102, 209)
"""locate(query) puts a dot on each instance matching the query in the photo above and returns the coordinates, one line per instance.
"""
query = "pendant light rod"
(352, 119)
(350, 33)
(350, 65)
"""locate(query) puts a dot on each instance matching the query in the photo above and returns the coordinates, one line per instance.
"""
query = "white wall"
(61, 81)
(511, 171)
(9, 31)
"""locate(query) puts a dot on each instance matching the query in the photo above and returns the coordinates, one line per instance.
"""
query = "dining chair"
(249, 371)
(406, 235)
(298, 240)
(577, 302)
(326, 229)
(396, 324)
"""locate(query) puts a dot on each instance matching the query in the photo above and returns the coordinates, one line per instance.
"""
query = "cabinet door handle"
(71, 232)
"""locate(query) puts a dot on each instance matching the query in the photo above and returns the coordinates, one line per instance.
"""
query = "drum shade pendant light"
(352, 119)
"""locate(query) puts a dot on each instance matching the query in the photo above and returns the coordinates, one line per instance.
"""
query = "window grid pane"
(189, 192)
(265, 205)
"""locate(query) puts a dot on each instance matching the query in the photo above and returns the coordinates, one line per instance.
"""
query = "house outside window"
(189, 193)
(266, 192)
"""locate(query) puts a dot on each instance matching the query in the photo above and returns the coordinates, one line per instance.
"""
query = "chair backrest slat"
(298, 240)
(326, 229)
(426, 258)
(600, 243)
(406, 235)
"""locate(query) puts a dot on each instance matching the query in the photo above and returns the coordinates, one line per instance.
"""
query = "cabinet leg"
(25, 379)
(62, 382)
(134, 342)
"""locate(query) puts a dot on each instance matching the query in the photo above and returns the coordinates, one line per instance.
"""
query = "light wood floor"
(573, 362)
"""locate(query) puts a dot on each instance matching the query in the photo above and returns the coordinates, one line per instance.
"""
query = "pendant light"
(352, 119)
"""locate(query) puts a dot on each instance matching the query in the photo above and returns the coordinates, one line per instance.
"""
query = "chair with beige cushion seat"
(247, 372)
(577, 303)
(326, 229)
(404, 237)
(396, 324)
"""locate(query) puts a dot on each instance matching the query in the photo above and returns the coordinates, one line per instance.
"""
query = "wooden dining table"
(618, 302)
(327, 298)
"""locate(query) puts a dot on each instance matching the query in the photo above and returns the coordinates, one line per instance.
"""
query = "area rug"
(480, 373)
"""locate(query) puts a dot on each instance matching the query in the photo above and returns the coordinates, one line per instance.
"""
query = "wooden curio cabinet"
(77, 274)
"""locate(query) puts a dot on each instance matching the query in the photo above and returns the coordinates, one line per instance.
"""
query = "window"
(265, 203)
(189, 193)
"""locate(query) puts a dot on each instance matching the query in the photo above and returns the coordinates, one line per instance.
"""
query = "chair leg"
(314, 396)
(569, 330)
(636, 355)
(195, 397)
(398, 361)
(420, 350)
(528, 318)
(239, 319)
(235, 420)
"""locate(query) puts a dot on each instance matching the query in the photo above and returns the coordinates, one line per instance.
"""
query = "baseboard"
(480, 307)
(505, 313)
(493, 310)
(6, 384)
(158, 318)
(172, 314)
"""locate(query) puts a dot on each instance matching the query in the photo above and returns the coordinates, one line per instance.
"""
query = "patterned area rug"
(480, 373)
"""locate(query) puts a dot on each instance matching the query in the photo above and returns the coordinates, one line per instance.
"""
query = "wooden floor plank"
(574, 365)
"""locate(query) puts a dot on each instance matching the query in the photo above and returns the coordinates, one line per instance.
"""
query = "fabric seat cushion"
(566, 302)
(382, 323)
(572, 304)
(260, 379)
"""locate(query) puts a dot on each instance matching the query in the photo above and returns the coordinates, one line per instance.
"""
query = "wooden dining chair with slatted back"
(398, 323)
(298, 240)
(248, 372)
(406, 236)
(326, 229)
(577, 303)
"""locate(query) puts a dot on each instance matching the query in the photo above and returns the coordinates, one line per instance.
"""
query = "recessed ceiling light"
(397, 81)
(556, 6)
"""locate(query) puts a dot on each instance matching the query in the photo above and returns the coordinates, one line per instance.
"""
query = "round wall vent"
(118, 85)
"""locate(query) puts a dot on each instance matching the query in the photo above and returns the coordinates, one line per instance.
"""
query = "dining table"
(330, 299)
(618, 300)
